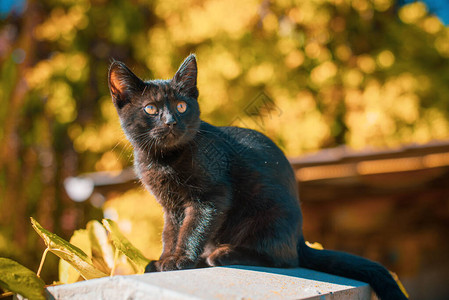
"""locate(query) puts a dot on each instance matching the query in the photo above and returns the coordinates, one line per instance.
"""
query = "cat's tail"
(351, 266)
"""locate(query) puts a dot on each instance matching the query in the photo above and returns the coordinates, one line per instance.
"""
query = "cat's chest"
(170, 183)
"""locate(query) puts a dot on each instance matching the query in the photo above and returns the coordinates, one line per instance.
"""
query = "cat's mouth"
(169, 137)
(172, 137)
(170, 134)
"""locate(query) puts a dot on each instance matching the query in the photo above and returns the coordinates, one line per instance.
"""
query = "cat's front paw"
(153, 266)
(184, 262)
(171, 263)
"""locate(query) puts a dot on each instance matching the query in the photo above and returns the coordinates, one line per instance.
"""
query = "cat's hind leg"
(225, 255)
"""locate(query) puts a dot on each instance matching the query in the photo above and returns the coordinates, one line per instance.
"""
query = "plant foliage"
(124, 245)
(68, 252)
(18, 279)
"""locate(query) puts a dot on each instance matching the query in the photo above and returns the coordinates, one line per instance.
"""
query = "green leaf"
(125, 246)
(18, 279)
(67, 273)
(102, 249)
(68, 252)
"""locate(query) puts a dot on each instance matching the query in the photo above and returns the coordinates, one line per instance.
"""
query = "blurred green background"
(361, 73)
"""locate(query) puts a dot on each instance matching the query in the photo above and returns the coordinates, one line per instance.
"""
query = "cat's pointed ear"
(123, 83)
(185, 78)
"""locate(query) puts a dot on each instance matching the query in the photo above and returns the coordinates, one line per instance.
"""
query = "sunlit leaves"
(142, 227)
(61, 103)
(101, 255)
(385, 59)
(243, 48)
(260, 74)
(18, 279)
(71, 66)
(442, 44)
(413, 12)
(325, 47)
(125, 246)
(386, 110)
(70, 253)
(382, 5)
(294, 59)
(102, 249)
(106, 251)
(63, 24)
(97, 139)
(323, 72)
(67, 273)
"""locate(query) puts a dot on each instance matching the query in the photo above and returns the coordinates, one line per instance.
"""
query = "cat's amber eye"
(181, 106)
(150, 109)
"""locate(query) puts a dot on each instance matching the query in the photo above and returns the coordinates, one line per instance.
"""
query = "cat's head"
(160, 114)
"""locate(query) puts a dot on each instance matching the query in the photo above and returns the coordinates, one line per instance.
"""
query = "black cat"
(229, 194)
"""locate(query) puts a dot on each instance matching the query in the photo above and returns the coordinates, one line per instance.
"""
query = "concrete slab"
(233, 282)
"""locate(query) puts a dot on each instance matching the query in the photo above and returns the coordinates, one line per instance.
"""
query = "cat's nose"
(170, 121)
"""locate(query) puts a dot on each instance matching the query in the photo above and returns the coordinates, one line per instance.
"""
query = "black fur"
(229, 194)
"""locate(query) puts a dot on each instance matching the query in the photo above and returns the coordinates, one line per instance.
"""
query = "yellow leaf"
(315, 245)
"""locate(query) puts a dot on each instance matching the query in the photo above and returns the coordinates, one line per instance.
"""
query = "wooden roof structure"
(349, 173)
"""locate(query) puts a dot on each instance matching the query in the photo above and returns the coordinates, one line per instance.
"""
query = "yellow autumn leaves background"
(365, 73)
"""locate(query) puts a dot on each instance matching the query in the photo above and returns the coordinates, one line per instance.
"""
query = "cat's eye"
(150, 109)
(181, 106)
